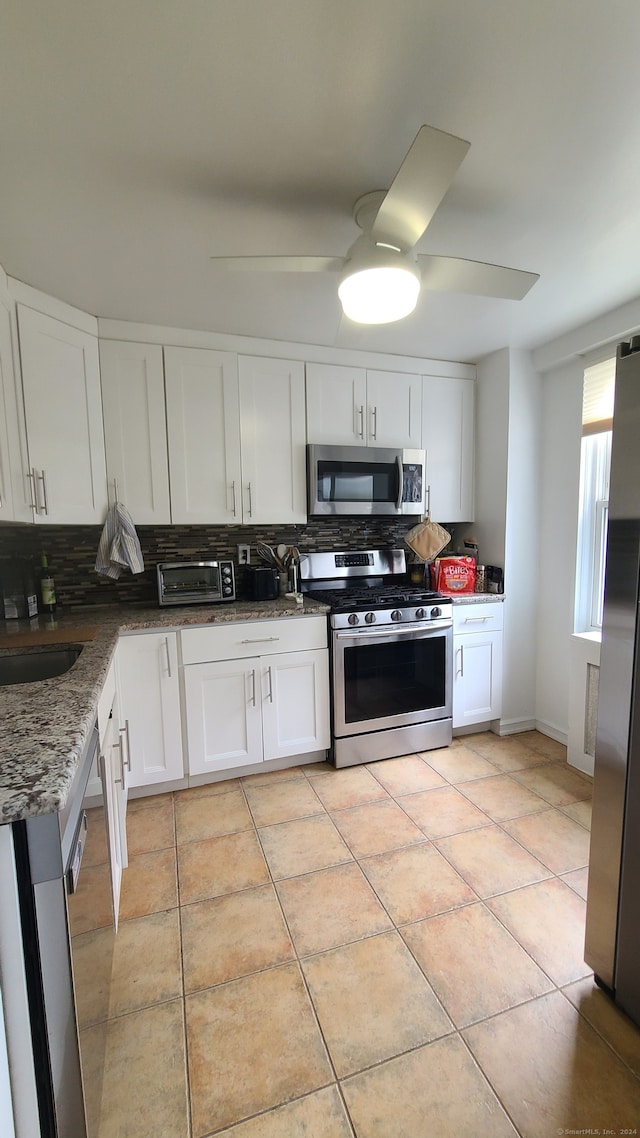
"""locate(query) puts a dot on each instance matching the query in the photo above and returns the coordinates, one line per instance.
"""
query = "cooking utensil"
(267, 554)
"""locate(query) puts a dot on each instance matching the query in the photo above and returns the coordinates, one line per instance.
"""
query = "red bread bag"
(455, 575)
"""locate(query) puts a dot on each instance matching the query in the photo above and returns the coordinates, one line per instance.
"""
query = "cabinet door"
(203, 429)
(135, 429)
(336, 405)
(109, 761)
(63, 411)
(150, 706)
(448, 437)
(273, 436)
(222, 704)
(394, 408)
(477, 682)
(6, 378)
(295, 703)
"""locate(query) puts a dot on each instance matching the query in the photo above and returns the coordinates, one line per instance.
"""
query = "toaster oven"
(195, 582)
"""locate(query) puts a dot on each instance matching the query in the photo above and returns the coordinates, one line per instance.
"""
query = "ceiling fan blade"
(280, 264)
(454, 274)
(419, 186)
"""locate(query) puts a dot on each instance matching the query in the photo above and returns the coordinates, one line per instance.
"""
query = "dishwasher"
(48, 853)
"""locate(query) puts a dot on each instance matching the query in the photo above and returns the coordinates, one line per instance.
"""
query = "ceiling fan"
(381, 275)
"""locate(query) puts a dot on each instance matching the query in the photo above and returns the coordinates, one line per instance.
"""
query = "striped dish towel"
(119, 545)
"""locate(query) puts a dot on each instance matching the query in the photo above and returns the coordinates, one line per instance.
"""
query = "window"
(595, 462)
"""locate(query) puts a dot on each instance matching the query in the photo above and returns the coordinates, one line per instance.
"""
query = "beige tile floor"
(390, 951)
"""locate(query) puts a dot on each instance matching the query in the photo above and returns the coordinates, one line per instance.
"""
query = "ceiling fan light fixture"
(379, 294)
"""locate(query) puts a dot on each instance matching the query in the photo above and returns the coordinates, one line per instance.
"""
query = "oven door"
(391, 677)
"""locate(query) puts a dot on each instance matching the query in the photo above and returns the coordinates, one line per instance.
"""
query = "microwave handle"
(400, 481)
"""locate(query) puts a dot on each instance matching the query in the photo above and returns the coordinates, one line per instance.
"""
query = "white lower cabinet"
(113, 773)
(477, 663)
(109, 781)
(150, 706)
(247, 700)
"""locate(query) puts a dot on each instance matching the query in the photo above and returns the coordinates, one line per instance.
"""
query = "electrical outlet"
(244, 554)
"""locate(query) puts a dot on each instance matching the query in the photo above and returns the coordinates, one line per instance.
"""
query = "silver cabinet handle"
(166, 648)
(476, 619)
(120, 781)
(124, 732)
(428, 503)
(115, 491)
(361, 415)
(250, 508)
(233, 492)
(31, 479)
(374, 422)
(45, 504)
(270, 693)
(253, 686)
(461, 660)
(263, 640)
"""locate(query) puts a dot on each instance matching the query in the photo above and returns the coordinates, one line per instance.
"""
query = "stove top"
(375, 598)
(371, 587)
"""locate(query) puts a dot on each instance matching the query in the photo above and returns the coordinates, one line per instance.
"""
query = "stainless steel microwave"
(195, 582)
(365, 480)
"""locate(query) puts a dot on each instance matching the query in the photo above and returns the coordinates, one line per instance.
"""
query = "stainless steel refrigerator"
(612, 946)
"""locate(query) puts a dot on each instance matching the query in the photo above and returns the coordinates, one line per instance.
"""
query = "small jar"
(283, 581)
(416, 573)
(481, 579)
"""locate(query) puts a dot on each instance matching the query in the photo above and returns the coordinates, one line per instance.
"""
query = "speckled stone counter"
(44, 725)
(477, 598)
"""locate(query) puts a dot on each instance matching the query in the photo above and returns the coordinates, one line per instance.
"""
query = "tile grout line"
(301, 972)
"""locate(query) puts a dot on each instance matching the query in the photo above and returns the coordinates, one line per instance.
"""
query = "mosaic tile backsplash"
(71, 551)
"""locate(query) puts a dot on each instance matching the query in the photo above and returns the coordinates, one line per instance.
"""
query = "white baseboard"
(552, 731)
(514, 726)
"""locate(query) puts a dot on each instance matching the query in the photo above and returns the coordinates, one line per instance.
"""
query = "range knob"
(353, 618)
(396, 614)
(369, 617)
(436, 612)
(420, 614)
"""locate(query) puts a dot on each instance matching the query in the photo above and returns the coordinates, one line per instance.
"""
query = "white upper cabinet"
(272, 432)
(350, 406)
(336, 404)
(448, 432)
(204, 436)
(135, 429)
(236, 437)
(394, 403)
(63, 414)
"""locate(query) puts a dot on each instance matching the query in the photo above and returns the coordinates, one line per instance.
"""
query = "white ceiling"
(140, 137)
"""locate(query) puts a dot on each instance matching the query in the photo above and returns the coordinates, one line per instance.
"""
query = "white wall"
(559, 495)
(507, 513)
(521, 543)
(492, 441)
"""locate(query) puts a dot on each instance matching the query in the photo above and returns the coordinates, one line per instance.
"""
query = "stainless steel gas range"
(391, 655)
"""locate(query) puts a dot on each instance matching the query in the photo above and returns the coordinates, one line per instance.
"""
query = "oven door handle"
(412, 633)
(400, 481)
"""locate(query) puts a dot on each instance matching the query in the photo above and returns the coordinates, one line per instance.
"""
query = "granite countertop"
(46, 724)
(476, 598)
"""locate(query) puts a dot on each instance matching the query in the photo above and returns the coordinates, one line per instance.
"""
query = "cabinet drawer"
(477, 617)
(255, 638)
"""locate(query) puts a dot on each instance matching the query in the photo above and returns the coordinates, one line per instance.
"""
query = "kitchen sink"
(27, 667)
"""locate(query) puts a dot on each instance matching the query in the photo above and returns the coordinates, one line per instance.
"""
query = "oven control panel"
(440, 615)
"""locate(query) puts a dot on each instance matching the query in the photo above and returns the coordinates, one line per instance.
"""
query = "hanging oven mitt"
(427, 539)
